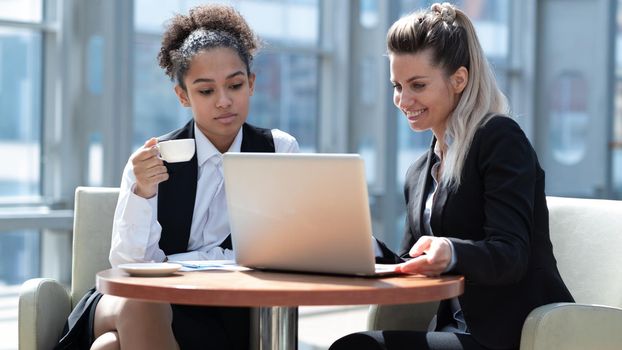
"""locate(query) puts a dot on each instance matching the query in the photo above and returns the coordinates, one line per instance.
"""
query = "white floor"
(318, 327)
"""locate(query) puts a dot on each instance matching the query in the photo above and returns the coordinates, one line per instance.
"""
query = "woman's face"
(218, 90)
(423, 92)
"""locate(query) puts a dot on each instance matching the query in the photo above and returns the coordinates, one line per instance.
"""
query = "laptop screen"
(300, 212)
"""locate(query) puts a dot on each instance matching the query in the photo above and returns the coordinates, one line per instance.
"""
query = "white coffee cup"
(174, 151)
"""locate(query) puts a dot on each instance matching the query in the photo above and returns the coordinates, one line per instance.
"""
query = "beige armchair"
(44, 304)
(587, 237)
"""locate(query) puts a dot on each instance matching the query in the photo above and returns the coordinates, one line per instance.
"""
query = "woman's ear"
(459, 79)
(182, 95)
(251, 83)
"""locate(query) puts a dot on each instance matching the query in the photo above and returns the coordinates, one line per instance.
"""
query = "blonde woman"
(476, 204)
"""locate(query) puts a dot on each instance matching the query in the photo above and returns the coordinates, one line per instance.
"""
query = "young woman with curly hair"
(177, 211)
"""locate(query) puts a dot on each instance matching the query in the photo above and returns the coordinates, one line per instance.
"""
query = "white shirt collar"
(206, 150)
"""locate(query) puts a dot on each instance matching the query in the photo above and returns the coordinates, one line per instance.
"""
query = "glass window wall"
(20, 134)
(21, 101)
(20, 115)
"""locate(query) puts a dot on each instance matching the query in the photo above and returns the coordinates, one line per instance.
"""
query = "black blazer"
(497, 220)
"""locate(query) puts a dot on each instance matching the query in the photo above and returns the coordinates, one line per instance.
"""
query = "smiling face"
(424, 92)
(218, 90)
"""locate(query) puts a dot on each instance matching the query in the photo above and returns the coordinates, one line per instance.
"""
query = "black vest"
(176, 196)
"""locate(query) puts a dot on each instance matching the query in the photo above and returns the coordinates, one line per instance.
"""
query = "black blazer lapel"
(423, 185)
(256, 139)
(438, 204)
(176, 197)
(417, 183)
(420, 194)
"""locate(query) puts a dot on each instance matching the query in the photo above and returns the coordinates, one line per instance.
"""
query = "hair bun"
(446, 11)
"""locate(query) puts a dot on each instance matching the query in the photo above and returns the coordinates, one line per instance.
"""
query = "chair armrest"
(44, 305)
(415, 317)
(572, 326)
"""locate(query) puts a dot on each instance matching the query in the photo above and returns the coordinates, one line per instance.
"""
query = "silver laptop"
(300, 212)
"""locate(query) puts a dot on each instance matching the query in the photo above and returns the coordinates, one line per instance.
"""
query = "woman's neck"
(440, 141)
(221, 142)
(222, 146)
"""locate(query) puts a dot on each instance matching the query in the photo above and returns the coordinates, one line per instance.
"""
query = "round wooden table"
(277, 294)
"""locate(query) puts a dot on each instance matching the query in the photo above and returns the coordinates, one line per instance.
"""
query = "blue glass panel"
(20, 115)
(19, 252)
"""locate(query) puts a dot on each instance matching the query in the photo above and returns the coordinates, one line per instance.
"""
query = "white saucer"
(150, 269)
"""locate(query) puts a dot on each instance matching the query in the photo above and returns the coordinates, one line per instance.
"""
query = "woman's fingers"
(421, 246)
(149, 169)
(413, 266)
(144, 153)
(431, 256)
(149, 175)
(151, 142)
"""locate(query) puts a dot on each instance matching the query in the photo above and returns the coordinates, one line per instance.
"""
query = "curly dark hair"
(205, 27)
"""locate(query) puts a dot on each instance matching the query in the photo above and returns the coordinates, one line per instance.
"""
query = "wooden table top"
(260, 288)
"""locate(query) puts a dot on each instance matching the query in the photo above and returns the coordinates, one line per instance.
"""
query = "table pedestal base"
(278, 328)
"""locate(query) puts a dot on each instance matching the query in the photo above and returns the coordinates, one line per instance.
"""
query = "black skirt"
(78, 333)
(194, 327)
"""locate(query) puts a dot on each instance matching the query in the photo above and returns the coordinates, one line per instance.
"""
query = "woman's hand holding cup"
(149, 169)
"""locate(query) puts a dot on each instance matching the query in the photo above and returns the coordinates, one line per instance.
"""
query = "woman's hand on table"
(430, 257)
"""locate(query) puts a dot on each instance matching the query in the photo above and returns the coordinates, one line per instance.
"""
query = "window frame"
(43, 210)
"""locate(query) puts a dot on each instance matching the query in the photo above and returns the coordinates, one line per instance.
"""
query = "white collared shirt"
(136, 231)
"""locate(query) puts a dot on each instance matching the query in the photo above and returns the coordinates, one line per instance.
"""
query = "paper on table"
(201, 265)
